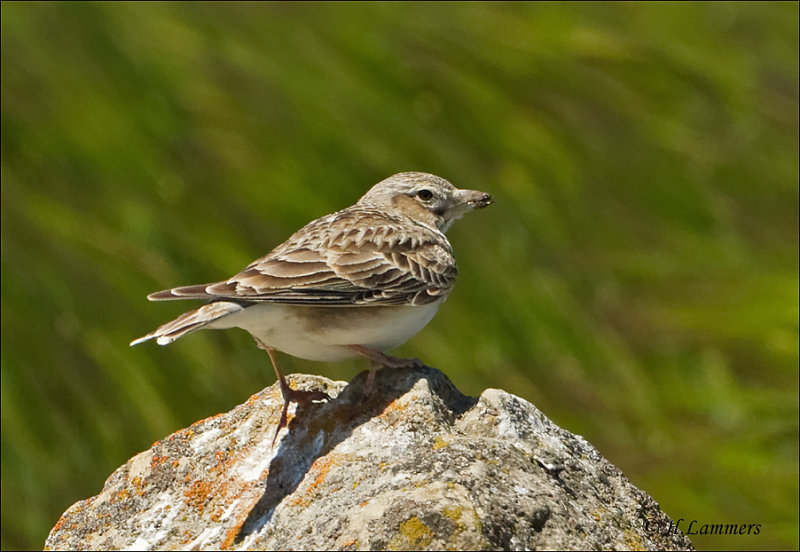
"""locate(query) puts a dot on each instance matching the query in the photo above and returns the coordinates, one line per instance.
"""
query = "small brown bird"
(356, 282)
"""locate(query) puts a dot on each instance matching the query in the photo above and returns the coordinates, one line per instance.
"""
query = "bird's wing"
(358, 256)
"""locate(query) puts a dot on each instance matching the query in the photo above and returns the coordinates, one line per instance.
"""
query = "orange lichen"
(225, 461)
(230, 534)
(394, 407)
(199, 422)
(253, 399)
(197, 495)
(230, 537)
(322, 466)
(187, 536)
(139, 484)
(156, 460)
(58, 524)
(185, 433)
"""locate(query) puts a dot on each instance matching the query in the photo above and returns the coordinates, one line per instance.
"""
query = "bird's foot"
(378, 360)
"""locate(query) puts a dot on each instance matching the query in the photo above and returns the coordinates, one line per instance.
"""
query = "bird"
(357, 282)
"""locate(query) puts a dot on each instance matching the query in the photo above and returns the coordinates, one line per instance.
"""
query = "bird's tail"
(190, 321)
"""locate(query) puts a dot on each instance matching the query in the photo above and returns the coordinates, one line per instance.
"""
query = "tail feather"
(197, 291)
(189, 322)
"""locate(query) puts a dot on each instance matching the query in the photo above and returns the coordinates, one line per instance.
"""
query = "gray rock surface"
(414, 465)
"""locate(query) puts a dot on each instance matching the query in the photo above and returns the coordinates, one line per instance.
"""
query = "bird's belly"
(321, 333)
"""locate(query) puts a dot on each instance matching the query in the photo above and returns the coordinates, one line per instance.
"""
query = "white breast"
(321, 333)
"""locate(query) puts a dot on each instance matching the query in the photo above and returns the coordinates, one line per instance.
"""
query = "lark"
(357, 282)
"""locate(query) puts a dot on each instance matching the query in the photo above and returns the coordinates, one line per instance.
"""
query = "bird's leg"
(379, 360)
(289, 394)
(384, 360)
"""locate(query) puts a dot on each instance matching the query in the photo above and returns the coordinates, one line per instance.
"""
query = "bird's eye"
(425, 194)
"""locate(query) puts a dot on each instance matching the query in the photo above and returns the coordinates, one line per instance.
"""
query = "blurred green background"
(637, 278)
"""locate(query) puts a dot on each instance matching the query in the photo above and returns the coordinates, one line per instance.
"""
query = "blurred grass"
(637, 279)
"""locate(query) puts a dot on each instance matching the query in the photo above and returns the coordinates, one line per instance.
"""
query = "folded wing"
(358, 256)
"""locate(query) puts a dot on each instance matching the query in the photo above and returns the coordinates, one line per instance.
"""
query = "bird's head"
(424, 197)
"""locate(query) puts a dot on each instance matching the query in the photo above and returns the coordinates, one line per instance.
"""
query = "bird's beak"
(476, 199)
(465, 201)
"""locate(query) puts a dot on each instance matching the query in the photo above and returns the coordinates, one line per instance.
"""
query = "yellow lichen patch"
(452, 512)
(633, 541)
(412, 534)
(439, 443)
(598, 513)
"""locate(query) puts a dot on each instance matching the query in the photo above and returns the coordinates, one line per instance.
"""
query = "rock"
(414, 465)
